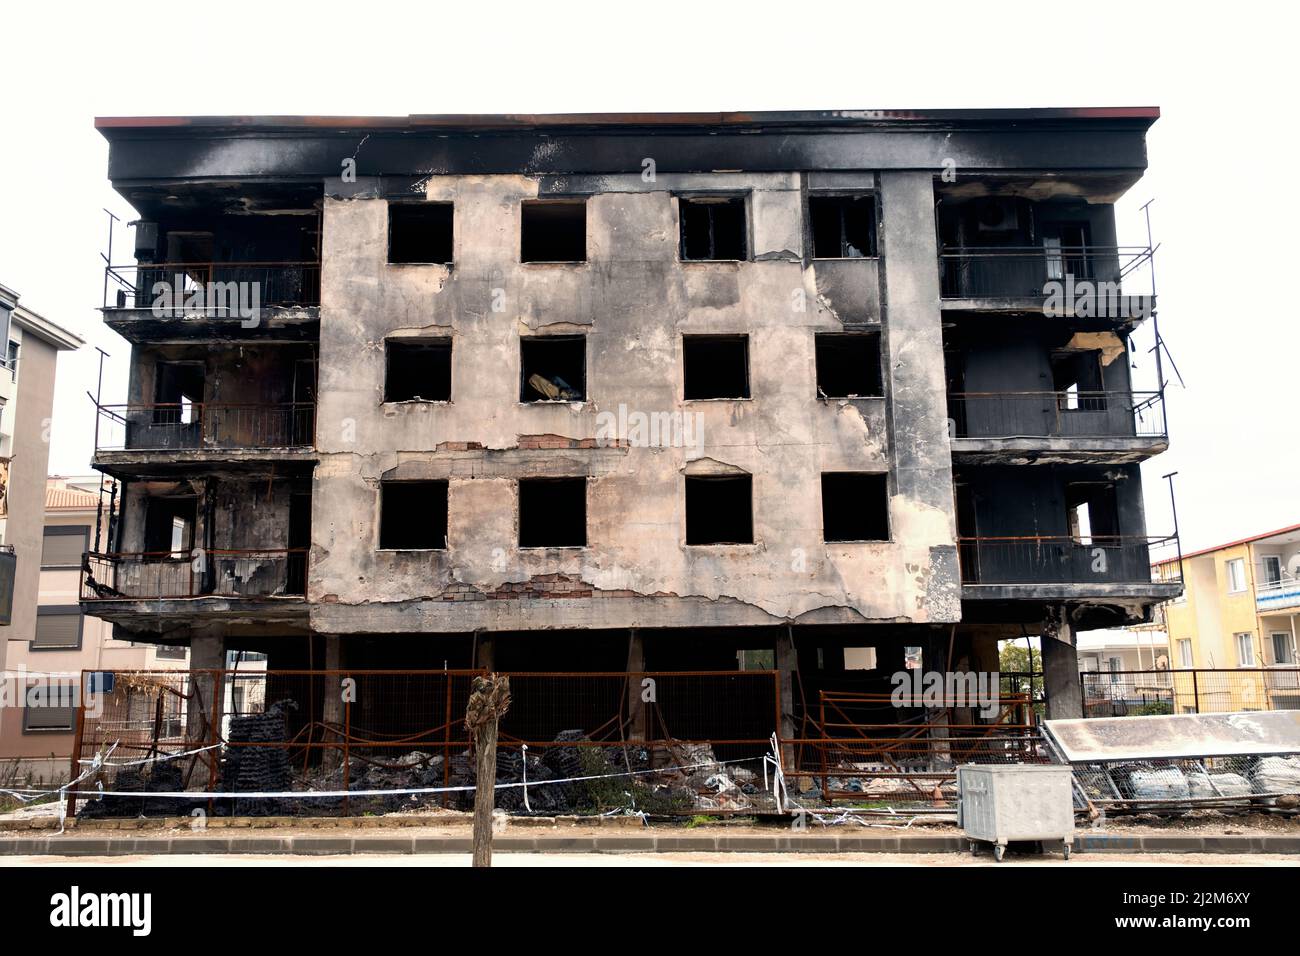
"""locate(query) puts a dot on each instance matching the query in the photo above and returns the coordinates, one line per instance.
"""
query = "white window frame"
(1236, 571)
(1244, 640)
(1185, 652)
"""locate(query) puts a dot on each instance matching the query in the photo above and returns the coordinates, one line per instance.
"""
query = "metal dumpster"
(1002, 803)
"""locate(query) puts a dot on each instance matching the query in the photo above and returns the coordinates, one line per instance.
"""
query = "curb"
(337, 844)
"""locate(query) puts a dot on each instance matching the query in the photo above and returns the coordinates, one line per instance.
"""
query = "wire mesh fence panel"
(1180, 784)
(1191, 691)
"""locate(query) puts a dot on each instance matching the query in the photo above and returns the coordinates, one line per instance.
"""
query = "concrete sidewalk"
(599, 840)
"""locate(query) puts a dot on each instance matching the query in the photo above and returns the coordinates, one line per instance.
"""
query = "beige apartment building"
(66, 642)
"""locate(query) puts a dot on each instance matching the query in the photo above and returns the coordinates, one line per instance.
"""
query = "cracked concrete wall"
(633, 300)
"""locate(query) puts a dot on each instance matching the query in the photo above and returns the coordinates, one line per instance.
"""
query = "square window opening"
(719, 509)
(169, 527)
(1077, 380)
(553, 231)
(552, 512)
(715, 366)
(413, 515)
(417, 371)
(420, 233)
(178, 393)
(713, 229)
(855, 506)
(848, 366)
(1093, 512)
(554, 368)
(843, 227)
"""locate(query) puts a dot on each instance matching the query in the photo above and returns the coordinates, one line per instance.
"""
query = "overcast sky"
(1221, 157)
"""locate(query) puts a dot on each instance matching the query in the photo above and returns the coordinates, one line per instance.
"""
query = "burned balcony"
(1057, 426)
(1082, 562)
(198, 432)
(197, 300)
(1084, 281)
(240, 575)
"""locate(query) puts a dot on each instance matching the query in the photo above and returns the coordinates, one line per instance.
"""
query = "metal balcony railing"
(1067, 414)
(1025, 271)
(1276, 595)
(1066, 559)
(157, 575)
(210, 288)
(207, 425)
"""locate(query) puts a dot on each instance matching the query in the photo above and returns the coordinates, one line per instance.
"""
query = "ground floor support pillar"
(484, 652)
(636, 688)
(205, 704)
(332, 705)
(787, 662)
(1061, 669)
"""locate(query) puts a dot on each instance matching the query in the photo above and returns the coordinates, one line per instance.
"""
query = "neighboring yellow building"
(1238, 610)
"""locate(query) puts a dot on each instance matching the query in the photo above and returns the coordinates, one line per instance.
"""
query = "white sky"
(1221, 157)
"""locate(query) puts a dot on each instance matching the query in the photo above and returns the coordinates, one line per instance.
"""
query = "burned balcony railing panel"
(1037, 272)
(212, 288)
(172, 575)
(200, 426)
(1063, 559)
(1069, 414)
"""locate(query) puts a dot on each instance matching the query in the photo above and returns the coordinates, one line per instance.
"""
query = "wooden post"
(489, 700)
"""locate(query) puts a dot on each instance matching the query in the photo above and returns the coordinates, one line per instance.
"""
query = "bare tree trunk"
(489, 700)
(485, 745)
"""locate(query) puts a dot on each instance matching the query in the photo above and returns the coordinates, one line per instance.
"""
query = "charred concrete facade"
(432, 445)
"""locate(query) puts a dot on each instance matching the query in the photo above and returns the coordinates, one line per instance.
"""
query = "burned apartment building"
(626, 393)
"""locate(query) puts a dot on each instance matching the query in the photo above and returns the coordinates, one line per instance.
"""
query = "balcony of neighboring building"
(194, 407)
(1004, 252)
(218, 262)
(1277, 573)
(203, 549)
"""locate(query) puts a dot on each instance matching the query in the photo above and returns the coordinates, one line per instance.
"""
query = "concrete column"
(484, 652)
(206, 701)
(332, 705)
(787, 662)
(1061, 670)
(636, 707)
(917, 410)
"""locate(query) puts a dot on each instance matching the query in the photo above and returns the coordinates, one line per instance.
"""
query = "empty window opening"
(178, 392)
(420, 232)
(848, 366)
(552, 512)
(713, 228)
(417, 370)
(554, 368)
(843, 227)
(413, 515)
(553, 231)
(715, 366)
(719, 509)
(169, 527)
(1077, 380)
(1093, 512)
(855, 506)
